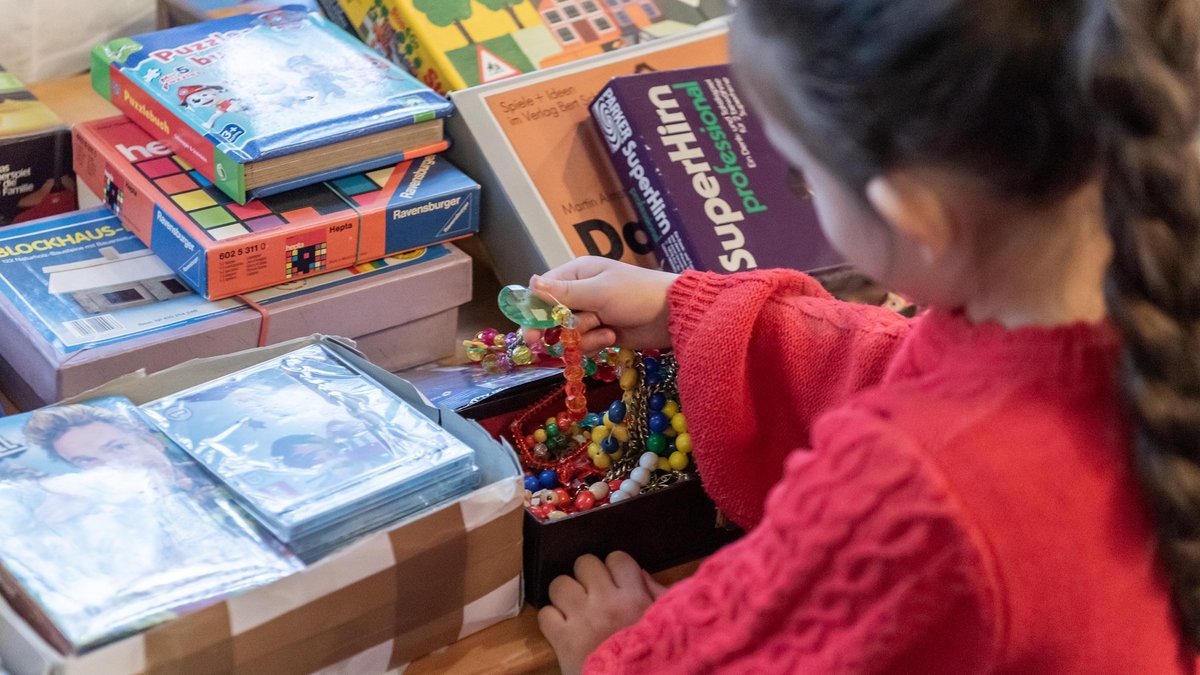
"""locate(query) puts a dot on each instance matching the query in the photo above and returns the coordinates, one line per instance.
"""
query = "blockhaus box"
(82, 301)
(372, 607)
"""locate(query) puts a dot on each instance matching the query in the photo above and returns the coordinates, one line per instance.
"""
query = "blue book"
(258, 103)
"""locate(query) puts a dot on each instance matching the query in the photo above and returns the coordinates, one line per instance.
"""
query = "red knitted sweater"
(922, 496)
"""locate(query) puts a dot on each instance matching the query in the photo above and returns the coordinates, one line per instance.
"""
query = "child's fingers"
(596, 340)
(592, 574)
(566, 592)
(551, 620)
(624, 569)
(656, 589)
(584, 294)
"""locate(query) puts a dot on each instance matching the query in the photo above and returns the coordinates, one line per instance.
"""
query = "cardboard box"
(52, 348)
(549, 190)
(697, 167)
(455, 45)
(221, 248)
(374, 606)
(35, 156)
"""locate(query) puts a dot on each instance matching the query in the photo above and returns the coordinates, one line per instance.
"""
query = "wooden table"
(514, 646)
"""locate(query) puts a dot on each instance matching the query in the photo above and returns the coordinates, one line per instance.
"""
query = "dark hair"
(1037, 98)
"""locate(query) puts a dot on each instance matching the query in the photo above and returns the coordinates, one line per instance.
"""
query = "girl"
(970, 491)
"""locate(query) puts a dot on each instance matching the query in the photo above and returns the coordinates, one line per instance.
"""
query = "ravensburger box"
(82, 301)
(375, 606)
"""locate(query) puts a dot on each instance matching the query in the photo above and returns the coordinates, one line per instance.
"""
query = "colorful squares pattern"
(264, 223)
(227, 231)
(251, 209)
(356, 184)
(213, 217)
(194, 200)
(381, 176)
(155, 168)
(196, 176)
(182, 164)
(180, 182)
(305, 259)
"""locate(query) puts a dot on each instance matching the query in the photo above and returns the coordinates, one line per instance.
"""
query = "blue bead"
(658, 422)
(548, 479)
(656, 402)
(616, 412)
(532, 483)
(592, 420)
(610, 444)
(653, 379)
(651, 364)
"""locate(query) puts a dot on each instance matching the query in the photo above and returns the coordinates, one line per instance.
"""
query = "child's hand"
(603, 598)
(617, 304)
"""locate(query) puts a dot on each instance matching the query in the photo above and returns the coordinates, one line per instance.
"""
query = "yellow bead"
(599, 433)
(594, 450)
(618, 454)
(683, 442)
(601, 461)
(628, 379)
(670, 433)
(522, 356)
(551, 420)
(607, 422)
(663, 464)
(560, 314)
(678, 423)
(678, 460)
(670, 409)
(621, 432)
(625, 358)
(499, 340)
(540, 435)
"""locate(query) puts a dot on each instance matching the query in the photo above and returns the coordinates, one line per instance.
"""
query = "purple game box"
(696, 165)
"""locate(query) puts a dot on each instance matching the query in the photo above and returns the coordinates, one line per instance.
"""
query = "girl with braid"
(1009, 482)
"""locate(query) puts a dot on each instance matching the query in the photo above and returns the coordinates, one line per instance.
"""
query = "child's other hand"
(617, 303)
(600, 600)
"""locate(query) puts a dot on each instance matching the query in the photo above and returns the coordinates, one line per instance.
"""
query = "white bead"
(599, 490)
(641, 474)
(556, 515)
(648, 461)
(618, 496)
(630, 487)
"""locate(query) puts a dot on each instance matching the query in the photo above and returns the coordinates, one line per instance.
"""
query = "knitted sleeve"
(863, 564)
(761, 355)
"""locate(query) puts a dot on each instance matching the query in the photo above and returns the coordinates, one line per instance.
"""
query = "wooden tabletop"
(73, 99)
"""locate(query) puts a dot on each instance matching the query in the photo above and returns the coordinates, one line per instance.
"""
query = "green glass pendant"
(525, 309)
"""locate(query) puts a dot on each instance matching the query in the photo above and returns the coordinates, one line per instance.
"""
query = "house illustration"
(575, 23)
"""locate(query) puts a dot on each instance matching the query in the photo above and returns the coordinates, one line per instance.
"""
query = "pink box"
(398, 319)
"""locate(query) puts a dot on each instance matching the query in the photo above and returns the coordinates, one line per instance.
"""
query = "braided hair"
(1036, 99)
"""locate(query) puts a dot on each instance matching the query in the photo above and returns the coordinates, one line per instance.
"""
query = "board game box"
(455, 44)
(183, 12)
(221, 248)
(36, 179)
(260, 103)
(696, 166)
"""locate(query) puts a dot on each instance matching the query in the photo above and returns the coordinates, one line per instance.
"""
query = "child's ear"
(915, 210)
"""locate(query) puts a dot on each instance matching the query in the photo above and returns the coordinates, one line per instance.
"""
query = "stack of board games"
(110, 529)
(35, 156)
(83, 301)
(315, 449)
(222, 248)
(702, 176)
(265, 102)
(529, 141)
(455, 44)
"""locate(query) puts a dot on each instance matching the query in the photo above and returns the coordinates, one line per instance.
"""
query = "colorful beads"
(593, 420)
(656, 402)
(657, 423)
(548, 479)
(683, 442)
(670, 409)
(599, 490)
(678, 460)
(616, 412)
(679, 423)
(656, 443)
(532, 483)
(610, 444)
(585, 500)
